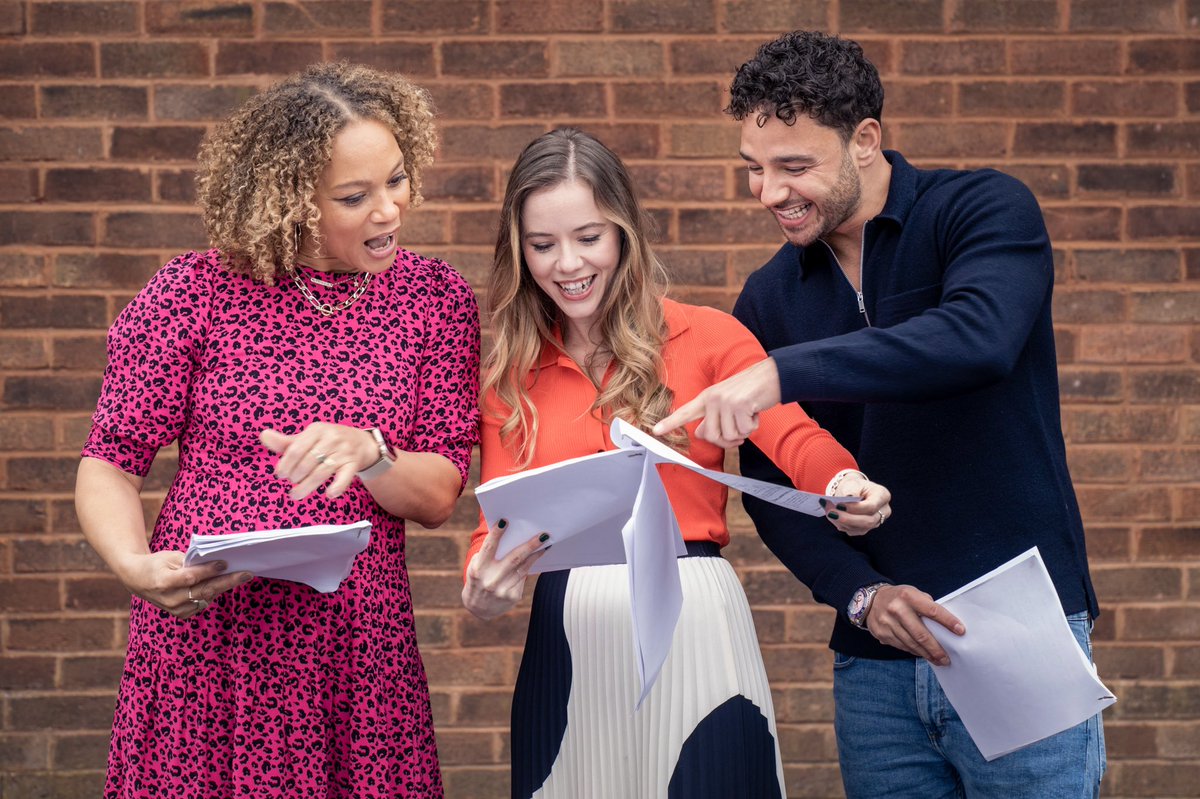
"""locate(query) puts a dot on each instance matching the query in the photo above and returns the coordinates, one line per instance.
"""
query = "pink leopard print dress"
(277, 690)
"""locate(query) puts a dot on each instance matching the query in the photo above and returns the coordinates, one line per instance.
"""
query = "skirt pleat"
(707, 728)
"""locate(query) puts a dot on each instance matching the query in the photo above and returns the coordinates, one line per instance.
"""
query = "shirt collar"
(902, 194)
(902, 189)
(677, 323)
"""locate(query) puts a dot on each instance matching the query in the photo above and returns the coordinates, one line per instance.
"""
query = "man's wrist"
(771, 390)
(860, 604)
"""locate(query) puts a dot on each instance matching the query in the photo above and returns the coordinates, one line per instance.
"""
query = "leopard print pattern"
(276, 689)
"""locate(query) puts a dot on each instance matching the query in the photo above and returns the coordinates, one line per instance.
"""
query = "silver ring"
(319, 457)
(190, 597)
(882, 519)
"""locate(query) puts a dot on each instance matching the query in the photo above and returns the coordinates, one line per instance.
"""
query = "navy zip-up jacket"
(944, 386)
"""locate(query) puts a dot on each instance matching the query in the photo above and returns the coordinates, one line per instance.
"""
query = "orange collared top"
(704, 346)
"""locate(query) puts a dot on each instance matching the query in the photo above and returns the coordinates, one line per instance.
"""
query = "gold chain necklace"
(329, 309)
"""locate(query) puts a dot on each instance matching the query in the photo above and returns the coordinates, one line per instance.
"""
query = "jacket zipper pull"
(862, 307)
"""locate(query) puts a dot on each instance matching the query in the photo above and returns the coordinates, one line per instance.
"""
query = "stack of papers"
(320, 556)
(611, 507)
(1017, 675)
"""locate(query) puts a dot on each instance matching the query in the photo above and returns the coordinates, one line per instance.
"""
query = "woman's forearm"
(109, 506)
(421, 486)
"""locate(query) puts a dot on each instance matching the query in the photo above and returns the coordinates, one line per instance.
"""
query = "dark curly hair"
(806, 72)
(259, 169)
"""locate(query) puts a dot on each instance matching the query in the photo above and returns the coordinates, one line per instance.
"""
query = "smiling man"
(909, 313)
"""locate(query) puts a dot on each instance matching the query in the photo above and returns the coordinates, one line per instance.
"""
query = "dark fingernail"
(544, 537)
(832, 515)
(821, 502)
(841, 507)
(502, 523)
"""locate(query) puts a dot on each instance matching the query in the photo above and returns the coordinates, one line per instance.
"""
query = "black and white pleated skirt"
(706, 730)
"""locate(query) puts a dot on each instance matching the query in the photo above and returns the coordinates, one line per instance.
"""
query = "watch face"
(857, 602)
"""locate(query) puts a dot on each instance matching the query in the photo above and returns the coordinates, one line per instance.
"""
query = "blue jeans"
(898, 736)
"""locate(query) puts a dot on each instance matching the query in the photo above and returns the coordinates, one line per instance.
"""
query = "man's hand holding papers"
(1019, 676)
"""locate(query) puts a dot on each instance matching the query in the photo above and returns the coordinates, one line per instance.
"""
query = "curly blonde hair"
(260, 168)
(631, 321)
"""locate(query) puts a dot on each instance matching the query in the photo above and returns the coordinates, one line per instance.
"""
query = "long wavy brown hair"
(259, 169)
(631, 322)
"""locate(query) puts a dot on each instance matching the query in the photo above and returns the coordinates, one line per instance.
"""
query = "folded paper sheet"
(609, 508)
(1017, 675)
(320, 556)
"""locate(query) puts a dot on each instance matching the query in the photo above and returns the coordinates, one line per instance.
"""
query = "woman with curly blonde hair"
(583, 335)
(313, 372)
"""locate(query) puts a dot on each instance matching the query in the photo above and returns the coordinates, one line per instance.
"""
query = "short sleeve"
(447, 421)
(153, 346)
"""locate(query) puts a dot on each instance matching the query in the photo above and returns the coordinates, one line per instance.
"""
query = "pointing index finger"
(688, 412)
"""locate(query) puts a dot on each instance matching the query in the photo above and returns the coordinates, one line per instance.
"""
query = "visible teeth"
(797, 212)
(380, 242)
(578, 286)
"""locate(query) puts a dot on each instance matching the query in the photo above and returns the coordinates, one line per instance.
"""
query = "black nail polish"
(832, 515)
(821, 502)
(544, 537)
(841, 507)
(502, 523)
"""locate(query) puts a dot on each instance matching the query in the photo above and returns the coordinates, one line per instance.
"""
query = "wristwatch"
(860, 605)
(385, 457)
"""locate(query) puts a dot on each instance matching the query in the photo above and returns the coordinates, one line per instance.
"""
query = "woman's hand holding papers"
(161, 579)
(859, 518)
(109, 505)
(494, 586)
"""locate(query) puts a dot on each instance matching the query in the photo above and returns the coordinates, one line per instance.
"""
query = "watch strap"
(860, 604)
(385, 457)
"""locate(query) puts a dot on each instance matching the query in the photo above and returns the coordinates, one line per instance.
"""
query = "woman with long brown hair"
(583, 334)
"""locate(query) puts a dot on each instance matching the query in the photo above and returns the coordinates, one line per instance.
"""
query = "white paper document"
(1017, 675)
(320, 556)
(609, 508)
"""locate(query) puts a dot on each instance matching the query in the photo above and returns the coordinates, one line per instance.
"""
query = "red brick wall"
(1095, 103)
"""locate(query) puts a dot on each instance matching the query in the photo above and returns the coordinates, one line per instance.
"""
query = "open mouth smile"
(794, 213)
(577, 288)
